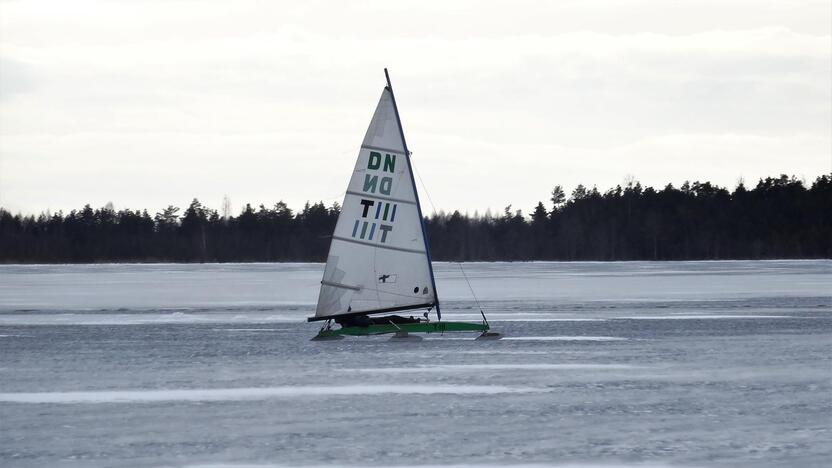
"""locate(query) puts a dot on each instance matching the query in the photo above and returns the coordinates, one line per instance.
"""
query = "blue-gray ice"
(604, 364)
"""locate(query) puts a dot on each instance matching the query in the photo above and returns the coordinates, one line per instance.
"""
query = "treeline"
(779, 218)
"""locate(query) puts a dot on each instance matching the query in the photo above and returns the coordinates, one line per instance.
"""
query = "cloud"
(15, 77)
(99, 102)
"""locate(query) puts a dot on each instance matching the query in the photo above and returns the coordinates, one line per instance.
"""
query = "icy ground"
(604, 364)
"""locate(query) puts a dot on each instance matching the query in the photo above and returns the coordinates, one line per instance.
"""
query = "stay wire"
(472, 291)
(425, 190)
(424, 187)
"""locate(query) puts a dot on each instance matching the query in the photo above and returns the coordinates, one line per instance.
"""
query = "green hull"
(430, 327)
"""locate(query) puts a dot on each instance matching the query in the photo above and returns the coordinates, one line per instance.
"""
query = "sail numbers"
(376, 216)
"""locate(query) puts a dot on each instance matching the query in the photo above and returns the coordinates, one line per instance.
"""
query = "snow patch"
(237, 394)
(564, 338)
(545, 320)
(704, 317)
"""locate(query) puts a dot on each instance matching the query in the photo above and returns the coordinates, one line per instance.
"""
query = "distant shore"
(780, 218)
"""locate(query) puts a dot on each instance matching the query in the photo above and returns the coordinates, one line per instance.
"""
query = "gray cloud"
(146, 103)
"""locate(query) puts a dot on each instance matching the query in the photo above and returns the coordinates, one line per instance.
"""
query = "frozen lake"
(664, 363)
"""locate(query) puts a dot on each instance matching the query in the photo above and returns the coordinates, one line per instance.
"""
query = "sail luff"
(416, 194)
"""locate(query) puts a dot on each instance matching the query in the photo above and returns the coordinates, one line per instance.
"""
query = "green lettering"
(389, 162)
(375, 160)
(386, 185)
(370, 183)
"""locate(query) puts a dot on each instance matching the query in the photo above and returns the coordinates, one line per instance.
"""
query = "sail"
(377, 258)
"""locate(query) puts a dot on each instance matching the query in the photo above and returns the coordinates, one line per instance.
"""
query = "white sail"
(377, 259)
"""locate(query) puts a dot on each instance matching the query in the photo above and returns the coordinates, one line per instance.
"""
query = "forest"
(781, 217)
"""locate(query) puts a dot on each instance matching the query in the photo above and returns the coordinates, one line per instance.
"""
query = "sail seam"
(380, 197)
(380, 246)
(378, 148)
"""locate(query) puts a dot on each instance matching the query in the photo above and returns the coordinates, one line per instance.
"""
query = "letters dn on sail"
(377, 217)
(371, 181)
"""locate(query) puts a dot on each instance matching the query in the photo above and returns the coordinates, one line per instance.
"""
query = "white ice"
(564, 338)
(497, 367)
(237, 394)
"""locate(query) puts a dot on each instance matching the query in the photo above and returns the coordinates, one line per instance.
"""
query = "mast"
(416, 194)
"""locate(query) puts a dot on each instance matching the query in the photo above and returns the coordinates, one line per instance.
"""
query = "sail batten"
(378, 258)
(400, 249)
(339, 285)
(382, 197)
(378, 148)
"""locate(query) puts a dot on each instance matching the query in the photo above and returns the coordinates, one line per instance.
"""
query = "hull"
(432, 327)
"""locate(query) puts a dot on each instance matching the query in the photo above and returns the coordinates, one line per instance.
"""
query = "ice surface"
(262, 287)
(708, 364)
(565, 338)
(467, 465)
(708, 317)
(456, 368)
(260, 393)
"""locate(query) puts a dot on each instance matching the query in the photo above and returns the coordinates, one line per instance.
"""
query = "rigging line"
(471, 288)
(424, 187)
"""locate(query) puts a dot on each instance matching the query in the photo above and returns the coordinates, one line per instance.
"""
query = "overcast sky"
(150, 103)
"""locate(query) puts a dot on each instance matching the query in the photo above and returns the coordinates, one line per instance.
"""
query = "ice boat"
(379, 258)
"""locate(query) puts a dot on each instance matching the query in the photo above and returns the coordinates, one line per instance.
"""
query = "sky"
(147, 103)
